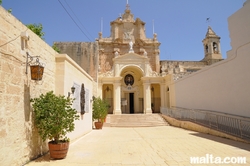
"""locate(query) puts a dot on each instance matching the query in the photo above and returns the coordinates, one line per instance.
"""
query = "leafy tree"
(37, 29)
(100, 109)
(56, 48)
(10, 10)
(54, 116)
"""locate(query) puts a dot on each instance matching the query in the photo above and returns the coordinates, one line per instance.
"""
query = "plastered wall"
(223, 86)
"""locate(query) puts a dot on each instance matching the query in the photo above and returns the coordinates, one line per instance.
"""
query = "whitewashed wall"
(224, 86)
(68, 74)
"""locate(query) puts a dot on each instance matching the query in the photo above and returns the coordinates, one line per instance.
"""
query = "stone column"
(117, 71)
(147, 98)
(117, 98)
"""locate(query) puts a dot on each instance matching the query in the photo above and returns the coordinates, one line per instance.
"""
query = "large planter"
(58, 151)
(98, 125)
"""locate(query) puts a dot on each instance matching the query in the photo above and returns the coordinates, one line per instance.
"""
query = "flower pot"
(98, 125)
(36, 72)
(58, 151)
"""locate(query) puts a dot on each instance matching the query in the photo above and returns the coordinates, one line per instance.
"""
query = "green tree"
(100, 109)
(9, 10)
(0, 2)
(37, 29)
(56, 48)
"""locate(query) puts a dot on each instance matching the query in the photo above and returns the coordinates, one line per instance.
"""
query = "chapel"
(127, 67)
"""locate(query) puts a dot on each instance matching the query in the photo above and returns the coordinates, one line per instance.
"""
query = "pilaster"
(163, 95)
(147, 98)
(117, 97)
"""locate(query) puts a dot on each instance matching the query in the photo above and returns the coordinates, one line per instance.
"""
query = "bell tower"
(211, 45)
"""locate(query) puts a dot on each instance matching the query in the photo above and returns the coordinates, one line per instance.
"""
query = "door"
(131, 103)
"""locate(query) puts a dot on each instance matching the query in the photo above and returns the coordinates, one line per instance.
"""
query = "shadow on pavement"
(227, 141)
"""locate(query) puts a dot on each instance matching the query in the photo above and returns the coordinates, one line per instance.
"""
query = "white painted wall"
(69, 73)
(224, 86)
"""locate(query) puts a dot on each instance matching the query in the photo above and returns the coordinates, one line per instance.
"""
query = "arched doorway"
(131, 90)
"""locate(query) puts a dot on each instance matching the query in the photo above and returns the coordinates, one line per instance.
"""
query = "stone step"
(135, 120)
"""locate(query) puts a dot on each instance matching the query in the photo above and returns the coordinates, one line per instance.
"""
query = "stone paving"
(146, 146)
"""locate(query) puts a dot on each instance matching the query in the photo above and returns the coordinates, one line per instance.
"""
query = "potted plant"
(54, 118)
(100, 111)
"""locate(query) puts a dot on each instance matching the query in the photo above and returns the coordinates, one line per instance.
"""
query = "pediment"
(130, 57)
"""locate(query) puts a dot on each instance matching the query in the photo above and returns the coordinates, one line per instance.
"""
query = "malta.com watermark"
(210, 159)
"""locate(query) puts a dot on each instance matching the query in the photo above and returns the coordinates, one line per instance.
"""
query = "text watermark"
(210, 159)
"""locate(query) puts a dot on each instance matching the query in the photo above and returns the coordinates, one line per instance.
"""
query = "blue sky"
(180, 24)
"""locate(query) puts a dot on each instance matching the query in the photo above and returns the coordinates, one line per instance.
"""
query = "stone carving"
(82, 100)
(104, 64)
(128, 34)
(116, 53)
(131, 45)
(108, 74)
(100, 35)
(155, 36)
(145, 53)
(107, 66)
(154, 74)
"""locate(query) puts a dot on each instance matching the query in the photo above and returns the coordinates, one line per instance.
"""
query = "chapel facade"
(128, 69)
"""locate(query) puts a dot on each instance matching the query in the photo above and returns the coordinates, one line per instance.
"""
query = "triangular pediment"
(131, 57)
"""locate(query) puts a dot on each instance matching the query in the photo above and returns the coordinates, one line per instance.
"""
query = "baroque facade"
(131, 75)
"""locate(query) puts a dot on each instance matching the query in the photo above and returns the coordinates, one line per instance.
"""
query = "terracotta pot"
(58, 151)
(98, 125)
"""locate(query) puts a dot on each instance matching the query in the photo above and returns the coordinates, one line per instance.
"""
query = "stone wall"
(84, 54)
(180, 69)
(19, 139)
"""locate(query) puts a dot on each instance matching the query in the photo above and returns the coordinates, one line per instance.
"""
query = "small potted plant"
(54, 118)
(100, 111)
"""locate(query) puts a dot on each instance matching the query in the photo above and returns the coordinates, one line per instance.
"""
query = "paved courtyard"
(146, 146)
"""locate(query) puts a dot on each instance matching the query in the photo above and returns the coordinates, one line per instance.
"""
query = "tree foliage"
(37, 29)
(56, 48)
(100, 109)
(54, 117)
